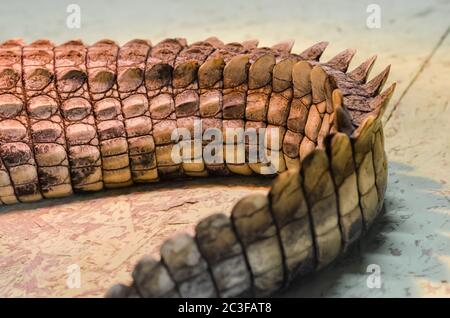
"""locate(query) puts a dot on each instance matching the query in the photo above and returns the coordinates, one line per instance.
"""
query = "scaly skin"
(76, 118)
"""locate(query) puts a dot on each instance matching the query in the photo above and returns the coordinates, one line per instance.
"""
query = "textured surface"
(423, 285)
(93, 110)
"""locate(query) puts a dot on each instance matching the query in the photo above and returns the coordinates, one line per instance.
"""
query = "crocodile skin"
(82, 118)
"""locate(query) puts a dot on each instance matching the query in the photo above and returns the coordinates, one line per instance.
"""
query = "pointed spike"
(201, 43)
(314, 52)
(138, 41)
(250, 44)
(342, 118)
(14, 42)
(284, 46)
(42, 42)
(215, 42)
(182, 41)
(77, 42)
(376, 84)
(106, 42)
(360, 73)
(173, 41)
(379, 103)
(342, 60)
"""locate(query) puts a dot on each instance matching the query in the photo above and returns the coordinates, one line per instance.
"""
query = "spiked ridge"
(341, 61)
(374, 86)
(82, 118)
(360, 73)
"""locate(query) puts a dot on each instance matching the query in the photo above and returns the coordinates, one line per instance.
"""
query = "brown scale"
(277, 104)
(261, 62)
(315, 110)
(225, 73)
(211, 83)
(324, 107)
(7, 195)
(235, 86)
(323, 210)
(282, 91)
(317, 121)
(185, 84)
(47, 126)
(16, 147)
(10, 70)
(158, 82)
(269, 99)
(294, 74)
(298, 114)
(113, 133)
(135, 108)
(305, 125)
(76, 108)
(223, 101)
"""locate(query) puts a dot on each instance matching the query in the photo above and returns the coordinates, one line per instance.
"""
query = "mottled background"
(106, 233)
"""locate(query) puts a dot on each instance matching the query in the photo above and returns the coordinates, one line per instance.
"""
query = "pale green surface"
(411, 242)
